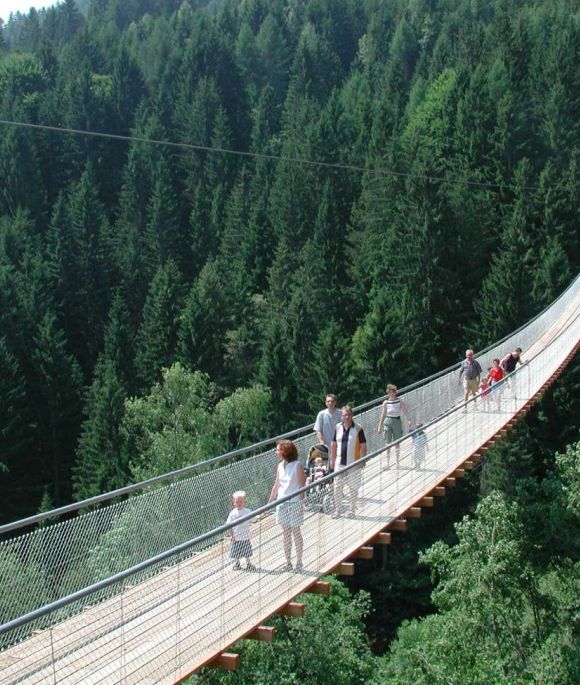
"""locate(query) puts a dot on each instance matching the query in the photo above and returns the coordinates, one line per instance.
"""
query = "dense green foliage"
(326, 647)
(506, 594)
(409, 186)
(447, 216)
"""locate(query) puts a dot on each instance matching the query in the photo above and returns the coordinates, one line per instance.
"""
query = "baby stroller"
(318, 498)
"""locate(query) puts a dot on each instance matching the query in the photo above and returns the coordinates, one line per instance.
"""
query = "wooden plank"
(226, 662)
(364, 552)
(468, 465)
(345, 568)
(450, 482)
(383, 538)
(320, 587)
(426, 501)
(413, 513)
(458, 473)
(440, 491)
(295, 609)
(263, 634)
(399, 524)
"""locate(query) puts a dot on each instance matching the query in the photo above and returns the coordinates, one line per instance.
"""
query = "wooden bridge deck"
(167, 627)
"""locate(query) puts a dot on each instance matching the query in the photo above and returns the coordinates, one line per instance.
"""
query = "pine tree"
(162, 238)
(274, 53)
(15, 436)
(157, 338)
(205, 320)
(56, 387)
(404, 47)
(277, 370)
(327, 369)
(69, 20)
(21, 186)
(504, 302)
(553, 273)
(80, 246)
(99, 456)
(119, 343)
(127, 88)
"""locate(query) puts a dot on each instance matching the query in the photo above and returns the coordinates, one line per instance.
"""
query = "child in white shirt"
(241, 545)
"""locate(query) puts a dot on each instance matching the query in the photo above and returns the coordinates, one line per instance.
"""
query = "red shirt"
(496, 374)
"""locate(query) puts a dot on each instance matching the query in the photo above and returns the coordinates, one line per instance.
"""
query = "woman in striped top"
(391, 419)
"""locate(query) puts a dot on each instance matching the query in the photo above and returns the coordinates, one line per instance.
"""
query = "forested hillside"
(286, 198)
(355, 191)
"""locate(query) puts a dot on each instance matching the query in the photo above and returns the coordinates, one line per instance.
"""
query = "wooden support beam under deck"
(320, 587)
(399, 524)
(262, 633)
(426, 501)
(365, 552)
(225, 662)
(383, 538)
(295, 609)
(346, 568)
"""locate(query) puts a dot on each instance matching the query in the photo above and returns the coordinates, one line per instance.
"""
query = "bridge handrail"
(254, 515)
(198, 466)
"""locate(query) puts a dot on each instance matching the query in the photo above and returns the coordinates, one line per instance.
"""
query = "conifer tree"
(69, 21)
(80, 246)
(277, 370)
(119, 343)
(15, 435)
(56, 387)
(504, 302)
(327, 369)
(162, 237)
(99, 456)
(274, 52)
(206, 318)
(21, 186)
(157, 338)
(127, 88)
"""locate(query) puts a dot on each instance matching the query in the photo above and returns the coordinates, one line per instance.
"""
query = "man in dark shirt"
(470, 371)
(508, 364)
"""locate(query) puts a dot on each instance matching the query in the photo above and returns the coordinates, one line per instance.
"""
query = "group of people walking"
(491, 384)
(345, 443)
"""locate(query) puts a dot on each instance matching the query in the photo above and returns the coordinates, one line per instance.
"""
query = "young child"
(420, 444)
(241, 545)
(318, 472)
(485, 389)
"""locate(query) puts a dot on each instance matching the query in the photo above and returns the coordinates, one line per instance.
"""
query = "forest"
(214, 212)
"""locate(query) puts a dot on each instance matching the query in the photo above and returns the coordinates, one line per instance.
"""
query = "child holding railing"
(241, 545)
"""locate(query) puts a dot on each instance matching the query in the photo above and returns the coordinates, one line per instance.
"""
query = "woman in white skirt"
(290, 477)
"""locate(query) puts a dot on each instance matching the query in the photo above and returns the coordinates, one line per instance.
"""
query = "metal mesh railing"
(58, 560)
(165, 618)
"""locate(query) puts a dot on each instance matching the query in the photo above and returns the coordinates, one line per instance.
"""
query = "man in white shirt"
(326, 421)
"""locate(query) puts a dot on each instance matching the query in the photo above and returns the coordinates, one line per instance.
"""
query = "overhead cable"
(260, 155)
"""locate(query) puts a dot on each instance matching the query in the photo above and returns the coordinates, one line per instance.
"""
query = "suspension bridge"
(141, 589)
